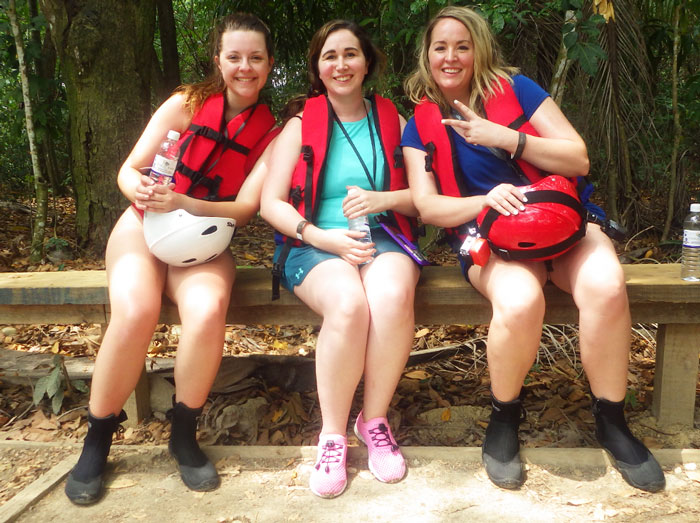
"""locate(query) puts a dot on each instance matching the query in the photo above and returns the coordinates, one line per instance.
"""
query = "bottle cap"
(695, 207)
(173, 135)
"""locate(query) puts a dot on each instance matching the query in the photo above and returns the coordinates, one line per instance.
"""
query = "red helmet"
(552, 223)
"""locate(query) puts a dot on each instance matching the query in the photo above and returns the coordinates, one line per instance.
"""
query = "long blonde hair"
(196, 94)
(488, 62)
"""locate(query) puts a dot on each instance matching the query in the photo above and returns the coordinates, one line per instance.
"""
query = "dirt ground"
(443, 484)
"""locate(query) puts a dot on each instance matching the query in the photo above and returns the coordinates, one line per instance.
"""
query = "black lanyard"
(357, 153)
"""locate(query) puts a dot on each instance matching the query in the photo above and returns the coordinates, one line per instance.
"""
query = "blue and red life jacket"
(503, 108)
(217, 156)
(308, 175)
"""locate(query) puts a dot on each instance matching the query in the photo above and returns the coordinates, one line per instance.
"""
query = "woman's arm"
(451, 211)
(133, 178)
(361, 202)
(559, 148)
(276, 209)
(149, 196)
(247, 202)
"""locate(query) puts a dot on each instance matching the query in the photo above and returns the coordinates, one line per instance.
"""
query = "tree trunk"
(677, 129)
(168, 45)
(105, 49)
(562, 65)
(45, 67)
(623, 146)
(37, 247)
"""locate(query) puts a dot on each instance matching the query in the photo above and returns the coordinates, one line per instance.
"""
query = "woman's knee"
(524, 308)
(204, 308)
(605, 290)
(348, 310)
(396, 297)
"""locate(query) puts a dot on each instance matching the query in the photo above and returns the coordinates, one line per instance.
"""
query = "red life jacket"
(308, 175)
(502, 108)
(216, 157)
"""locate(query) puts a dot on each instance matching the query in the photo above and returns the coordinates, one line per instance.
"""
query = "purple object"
(406, 244)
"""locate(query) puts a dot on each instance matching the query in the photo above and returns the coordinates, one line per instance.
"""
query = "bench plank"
(676, 373)
(656, 294)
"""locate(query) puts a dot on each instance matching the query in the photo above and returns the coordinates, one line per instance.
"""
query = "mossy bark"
(105, 49)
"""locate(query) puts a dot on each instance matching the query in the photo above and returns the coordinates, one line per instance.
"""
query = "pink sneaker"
(329, 477)
(384, 456)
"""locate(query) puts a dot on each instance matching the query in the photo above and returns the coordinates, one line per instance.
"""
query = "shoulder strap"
(307, 179)
(442, 157)
(504, 108)
(316, 129)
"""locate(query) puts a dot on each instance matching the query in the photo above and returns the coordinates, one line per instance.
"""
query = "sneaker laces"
(381, 437)
(332, 453)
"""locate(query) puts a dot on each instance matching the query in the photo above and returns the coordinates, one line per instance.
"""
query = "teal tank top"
(343, 168)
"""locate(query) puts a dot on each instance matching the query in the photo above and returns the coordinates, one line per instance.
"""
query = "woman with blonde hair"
(464, 92)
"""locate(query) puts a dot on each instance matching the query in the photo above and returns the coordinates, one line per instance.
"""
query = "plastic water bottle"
(164, 163)
(361, 223)
(690, 261)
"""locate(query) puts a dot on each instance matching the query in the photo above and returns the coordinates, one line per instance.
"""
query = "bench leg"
(676, 374)
(138, 405)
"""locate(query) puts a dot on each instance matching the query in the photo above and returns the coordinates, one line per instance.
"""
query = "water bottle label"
(164, 166)
(691, 239)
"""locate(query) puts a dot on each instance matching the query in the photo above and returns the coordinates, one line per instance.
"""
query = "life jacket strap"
(398, 157)
(430, 150)
(216, 136)
(278, 268)
(518, 122)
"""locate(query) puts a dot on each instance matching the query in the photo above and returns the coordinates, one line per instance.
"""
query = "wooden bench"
(656, 292)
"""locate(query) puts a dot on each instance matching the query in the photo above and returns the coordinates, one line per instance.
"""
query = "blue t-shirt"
(482, 169)
(343, 168)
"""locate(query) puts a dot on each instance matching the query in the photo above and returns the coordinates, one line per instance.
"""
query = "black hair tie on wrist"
(522, 138)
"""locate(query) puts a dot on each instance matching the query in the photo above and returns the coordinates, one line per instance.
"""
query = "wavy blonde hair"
(488, 62)
(196, 94)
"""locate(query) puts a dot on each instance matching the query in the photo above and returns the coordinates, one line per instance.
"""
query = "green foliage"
(57, 243)
(54, 386)
(631, 398)
(529, 32)
(49, 107)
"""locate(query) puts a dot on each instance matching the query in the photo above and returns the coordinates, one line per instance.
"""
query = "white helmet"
(178, 238)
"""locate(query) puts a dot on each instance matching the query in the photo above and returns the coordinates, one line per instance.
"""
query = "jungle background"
(80, 78)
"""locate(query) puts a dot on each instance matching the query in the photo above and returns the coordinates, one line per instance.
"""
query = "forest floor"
(440, 403)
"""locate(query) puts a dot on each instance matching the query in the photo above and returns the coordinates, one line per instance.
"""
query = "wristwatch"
(300, 228)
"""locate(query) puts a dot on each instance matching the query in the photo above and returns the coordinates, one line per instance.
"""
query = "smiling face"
(244, 63)
(342, 65)
(451, 58)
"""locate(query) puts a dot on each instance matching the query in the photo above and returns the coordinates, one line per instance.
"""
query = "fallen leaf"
(277, 415)
(421, 333)
(446, 415)
(551, 414)
(120, 482)
(417, 375)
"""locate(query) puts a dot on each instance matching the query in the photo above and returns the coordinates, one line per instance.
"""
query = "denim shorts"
(302, 259)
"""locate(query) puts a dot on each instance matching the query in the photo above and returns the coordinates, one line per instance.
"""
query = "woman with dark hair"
(334, 161)
(210, 181)
(460, 85)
